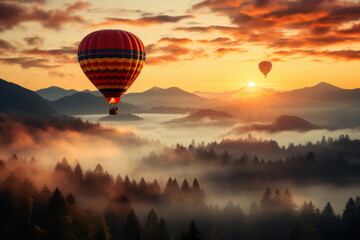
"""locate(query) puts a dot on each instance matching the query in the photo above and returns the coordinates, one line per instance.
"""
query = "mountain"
(154, 97)
(205, 116)
(19, 101)
(86, 103)
(169, 97)
(244, 92)
(282, 123)
(323, 103)
(325, 92)
(55, 93)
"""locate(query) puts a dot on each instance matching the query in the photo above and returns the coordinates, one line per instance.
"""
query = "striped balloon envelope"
(265, 67)
(112, 60)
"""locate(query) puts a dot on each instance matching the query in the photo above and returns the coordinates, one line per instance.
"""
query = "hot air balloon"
(265, 67)
(112, 60)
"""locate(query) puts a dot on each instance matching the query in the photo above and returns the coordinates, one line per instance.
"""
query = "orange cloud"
(6, 45)
(311, 23)
(33, 41)
(27, 62)
(144, 21)
(219, 41)
(340, 54)
(179, 41)
(78, 5)
(222, 51)
(13, 14)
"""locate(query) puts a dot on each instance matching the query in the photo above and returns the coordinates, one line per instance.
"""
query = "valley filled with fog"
(154, 127)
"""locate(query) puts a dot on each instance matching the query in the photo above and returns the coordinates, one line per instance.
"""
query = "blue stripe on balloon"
(109, 50)
(111, 55)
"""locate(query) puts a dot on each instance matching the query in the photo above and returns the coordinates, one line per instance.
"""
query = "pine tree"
(185, 188)
(266, 201)
(226, 158)
(193, 232)
(132, 227)
(163, 232)
(142, 186)
(127, 184)
(78, 174)
(277, 199)
(151, 226)
(329, 223)
(328, 211)
(39, 209)
(307, 213)
(57, 224)
(101, 230)
(198, 195)
(288, 201)
(155, 188)
(82, 226)
(349, 219)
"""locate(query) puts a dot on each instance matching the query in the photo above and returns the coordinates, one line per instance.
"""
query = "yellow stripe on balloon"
(95, 68)
(100, 60)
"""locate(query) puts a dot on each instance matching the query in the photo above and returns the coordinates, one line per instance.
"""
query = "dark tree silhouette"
(329, 223)
(132, 227)
(151, 227)
(58, 225)
(101, 230)
(193, 232)
(163, 232)
(349, 220)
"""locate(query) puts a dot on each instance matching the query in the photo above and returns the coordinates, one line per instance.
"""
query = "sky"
(197, 45)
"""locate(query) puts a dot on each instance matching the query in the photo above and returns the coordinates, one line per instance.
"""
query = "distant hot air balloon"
(265, 67)
(112, 60)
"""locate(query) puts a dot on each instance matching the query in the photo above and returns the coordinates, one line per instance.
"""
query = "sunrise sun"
(251, 84)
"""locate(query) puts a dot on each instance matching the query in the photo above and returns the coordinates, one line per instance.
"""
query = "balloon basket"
(113, 109)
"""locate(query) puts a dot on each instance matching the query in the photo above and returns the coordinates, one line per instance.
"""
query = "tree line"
(104, 210)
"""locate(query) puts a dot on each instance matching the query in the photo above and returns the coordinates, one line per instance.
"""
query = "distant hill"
(243, 92)
(324, 92)
(87, 103)
(169, 97)
(19, 101)
(282, 123)
(154, 97)
(323, 103)
(54, 93)
(203, 114)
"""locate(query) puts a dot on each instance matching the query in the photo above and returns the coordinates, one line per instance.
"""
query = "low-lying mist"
(229, 169)
(52, 139)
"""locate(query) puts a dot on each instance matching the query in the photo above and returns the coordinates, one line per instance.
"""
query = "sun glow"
(251, 84)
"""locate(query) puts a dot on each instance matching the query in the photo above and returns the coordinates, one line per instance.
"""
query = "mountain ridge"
(19, 101)
(78, 104)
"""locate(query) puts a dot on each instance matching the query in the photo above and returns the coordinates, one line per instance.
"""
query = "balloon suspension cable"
(113, 109)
